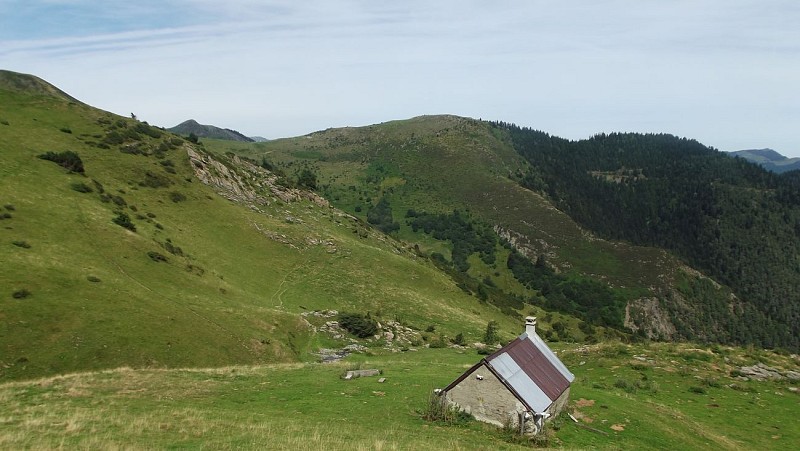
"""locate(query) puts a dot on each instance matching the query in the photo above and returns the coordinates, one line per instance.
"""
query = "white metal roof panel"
(522, 384)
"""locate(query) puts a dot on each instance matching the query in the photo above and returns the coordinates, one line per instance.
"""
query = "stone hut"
(522, 384)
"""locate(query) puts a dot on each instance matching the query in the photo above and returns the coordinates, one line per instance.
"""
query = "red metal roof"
(534, 363)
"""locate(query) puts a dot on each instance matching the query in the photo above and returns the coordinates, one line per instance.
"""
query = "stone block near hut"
(361, 373)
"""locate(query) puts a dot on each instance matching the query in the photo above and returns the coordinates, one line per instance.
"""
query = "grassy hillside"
(653, 396)
(437, 165)
(135, 262)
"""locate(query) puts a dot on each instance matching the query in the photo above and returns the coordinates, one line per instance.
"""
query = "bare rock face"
(647, 315)
(241, 181)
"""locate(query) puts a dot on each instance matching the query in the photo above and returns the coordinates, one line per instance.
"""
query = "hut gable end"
(524, 377)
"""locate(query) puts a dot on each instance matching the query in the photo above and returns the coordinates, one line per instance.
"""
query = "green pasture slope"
(657, 396)
(139, 308)
(201, 281)
(442, 164)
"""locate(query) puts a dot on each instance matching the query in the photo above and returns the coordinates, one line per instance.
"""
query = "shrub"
(177, 197)
(697, 390)
(152, 132)
(437, 410)
(119, 201)
(625, 385)
(172, 249)
(9, 207)
(81, 187)
(459, 340)
(4, 122)
(307, 179)
(361, 326)
(438, 342)
(123, 220)
(22, 244)
(5, 215)
(93, 279)
(490, 336)
(153, 180)
(133, 149)
(21, 294)
(67, 159)
(169, 166)
(66, 130)
(157, 257)
(113, 138)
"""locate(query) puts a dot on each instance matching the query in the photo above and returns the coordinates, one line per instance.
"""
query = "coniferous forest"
(731, 219)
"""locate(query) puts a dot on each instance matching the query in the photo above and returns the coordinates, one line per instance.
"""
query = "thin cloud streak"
(723, 72)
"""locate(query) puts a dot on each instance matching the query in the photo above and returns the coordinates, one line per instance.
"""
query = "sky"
(724, 72)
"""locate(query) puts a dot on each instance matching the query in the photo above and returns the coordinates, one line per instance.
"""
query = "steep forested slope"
(725, 216)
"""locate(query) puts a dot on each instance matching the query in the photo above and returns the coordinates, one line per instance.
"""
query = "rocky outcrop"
(646, 315)
(762, 372)
(241, 181)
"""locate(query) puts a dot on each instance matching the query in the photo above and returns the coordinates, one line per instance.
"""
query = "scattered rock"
(762, 372)
(382, 380)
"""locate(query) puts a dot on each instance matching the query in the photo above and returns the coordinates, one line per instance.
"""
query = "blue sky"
(725, 72)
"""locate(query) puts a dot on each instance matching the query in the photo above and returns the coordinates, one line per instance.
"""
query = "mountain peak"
(191, 126)
(15, 81)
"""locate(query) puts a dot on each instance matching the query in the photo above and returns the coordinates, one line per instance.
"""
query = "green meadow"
(648, 396)
(141, 308)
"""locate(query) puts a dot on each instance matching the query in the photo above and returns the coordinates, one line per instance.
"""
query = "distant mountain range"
(209, 131)
(769, 159)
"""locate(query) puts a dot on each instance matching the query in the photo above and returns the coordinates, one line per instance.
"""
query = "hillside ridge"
(769, 159)
(31, 84)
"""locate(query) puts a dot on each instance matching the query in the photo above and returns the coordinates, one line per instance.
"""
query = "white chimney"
(530, 325)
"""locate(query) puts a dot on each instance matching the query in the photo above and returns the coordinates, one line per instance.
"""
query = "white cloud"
(724, 72)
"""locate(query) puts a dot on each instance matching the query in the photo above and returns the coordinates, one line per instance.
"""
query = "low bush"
(437, 410)
(153, 180)
(123, 220)
(177, 197)
(119, 201)
(81, 187)
(67, 159)
(21, 294)
(697, 390)
(157, 257)
(93, 279)
(361, 326)
(626, 385)
(22, 244)
(438, 342)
